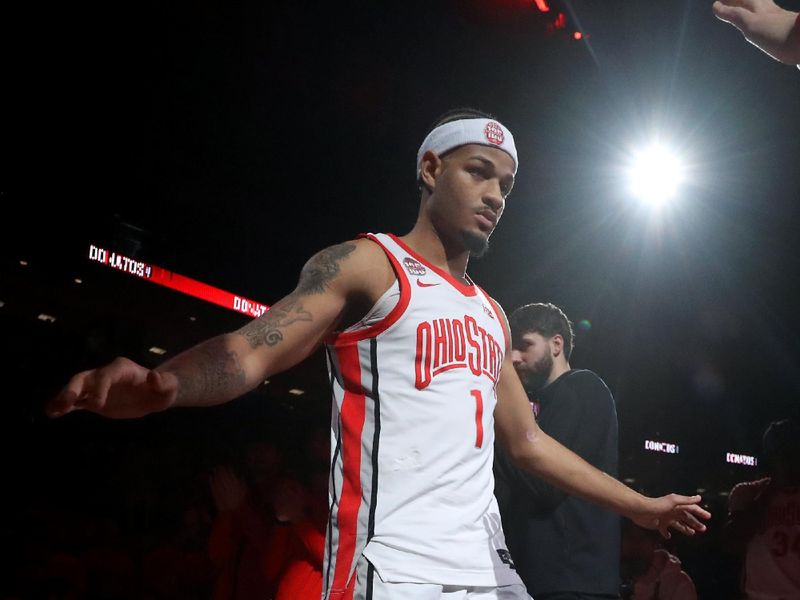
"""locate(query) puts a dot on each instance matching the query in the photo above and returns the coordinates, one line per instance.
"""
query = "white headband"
(485, 132)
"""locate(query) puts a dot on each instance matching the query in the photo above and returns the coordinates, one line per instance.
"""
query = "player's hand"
(765, 25)
(122, 389)
(681, 513)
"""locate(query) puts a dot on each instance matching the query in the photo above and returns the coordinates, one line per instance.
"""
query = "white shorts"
(366, 584)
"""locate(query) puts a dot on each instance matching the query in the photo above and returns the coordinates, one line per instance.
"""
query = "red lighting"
(174, 281)
(542, 5)
(561, 21)
(577, 35)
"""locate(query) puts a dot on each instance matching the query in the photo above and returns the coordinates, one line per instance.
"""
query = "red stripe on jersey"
(353, 416)
(478, 418)
(350, 591)
(389, 320)
(467, 290)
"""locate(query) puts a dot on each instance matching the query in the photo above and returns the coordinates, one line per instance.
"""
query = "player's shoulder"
(501, 313)
(354, 265)
(744, 493)
(746, 488)
(358, 252)
(497, 306)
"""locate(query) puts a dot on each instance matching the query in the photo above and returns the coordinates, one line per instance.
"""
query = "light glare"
(655, 175)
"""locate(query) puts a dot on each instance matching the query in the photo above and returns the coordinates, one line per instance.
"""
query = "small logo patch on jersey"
(414, 267)
(487, 311)
(505, 557)
(494, 133)
(425, 284)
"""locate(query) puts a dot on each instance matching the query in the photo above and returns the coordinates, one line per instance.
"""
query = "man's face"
(469, 194)
(533, 359)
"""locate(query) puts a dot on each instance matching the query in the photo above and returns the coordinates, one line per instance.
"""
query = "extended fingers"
(686, 521)
(697, 511)
(96, 391)
(731, 14)
(750, 5)
(682, 528)
(69, 396)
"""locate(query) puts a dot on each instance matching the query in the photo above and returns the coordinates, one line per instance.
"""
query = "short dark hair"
(455, 114)
(543, 318)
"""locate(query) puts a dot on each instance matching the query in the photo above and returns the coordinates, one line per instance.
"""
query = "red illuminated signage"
(542, 5)
(177, 282)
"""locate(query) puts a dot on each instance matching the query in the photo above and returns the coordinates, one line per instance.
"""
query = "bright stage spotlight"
(655, 175)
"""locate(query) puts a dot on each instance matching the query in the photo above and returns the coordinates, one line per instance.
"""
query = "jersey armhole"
(373, 330)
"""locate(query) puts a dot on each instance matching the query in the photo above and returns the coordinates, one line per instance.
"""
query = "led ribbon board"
(665, 447)
(174, 281)
(741, 459)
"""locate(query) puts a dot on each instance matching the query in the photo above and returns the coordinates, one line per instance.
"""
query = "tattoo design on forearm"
(322, 268)
(267, 329)
(217, 375)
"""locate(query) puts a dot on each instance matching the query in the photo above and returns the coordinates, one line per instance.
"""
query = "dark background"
(229, 142)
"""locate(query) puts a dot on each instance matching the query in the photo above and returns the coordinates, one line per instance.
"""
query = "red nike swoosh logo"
(423, 284)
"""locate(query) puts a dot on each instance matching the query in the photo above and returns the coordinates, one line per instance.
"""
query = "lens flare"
(655, 175)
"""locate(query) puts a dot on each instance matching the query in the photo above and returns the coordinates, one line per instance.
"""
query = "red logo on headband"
(494, 133)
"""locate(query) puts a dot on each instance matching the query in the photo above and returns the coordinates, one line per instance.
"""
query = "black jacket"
(560, 543)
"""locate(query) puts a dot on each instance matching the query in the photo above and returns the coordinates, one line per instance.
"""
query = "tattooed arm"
(227, 366)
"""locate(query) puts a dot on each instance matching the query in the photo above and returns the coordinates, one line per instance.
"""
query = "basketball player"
(764, 518)
(422, 375)
(766, 25)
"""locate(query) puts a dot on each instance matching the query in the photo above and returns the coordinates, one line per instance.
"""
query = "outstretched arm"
(227, 366)
(535, 451)
(764, 24)
(582, 419)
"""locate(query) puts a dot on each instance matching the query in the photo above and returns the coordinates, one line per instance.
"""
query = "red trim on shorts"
(466, 290)
(373, 330)
(353, 415)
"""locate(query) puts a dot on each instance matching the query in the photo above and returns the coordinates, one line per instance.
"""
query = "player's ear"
(557, 344)
(430, 168)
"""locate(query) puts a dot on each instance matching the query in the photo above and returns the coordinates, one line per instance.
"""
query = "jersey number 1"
(478, 417)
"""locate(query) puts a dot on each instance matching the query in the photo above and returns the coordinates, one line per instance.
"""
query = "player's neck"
(437, 250)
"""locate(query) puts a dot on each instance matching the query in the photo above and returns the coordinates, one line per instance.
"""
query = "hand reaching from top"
(764, 24)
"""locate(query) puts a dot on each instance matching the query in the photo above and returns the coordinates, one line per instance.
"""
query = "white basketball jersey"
(413, 435)
(772, 562)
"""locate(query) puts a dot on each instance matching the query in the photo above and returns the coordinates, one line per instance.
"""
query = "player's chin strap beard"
(477, 245)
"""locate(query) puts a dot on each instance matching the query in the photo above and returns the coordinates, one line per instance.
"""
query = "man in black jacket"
(563, 547)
